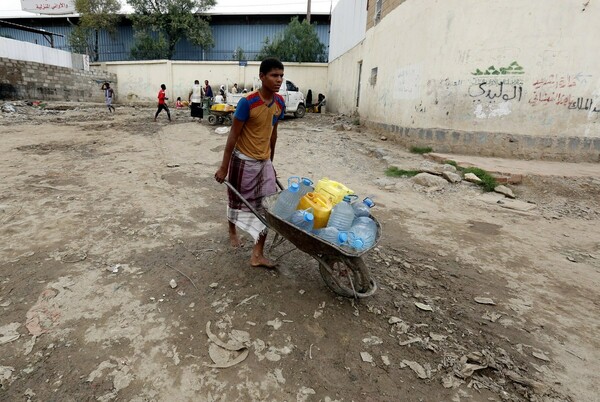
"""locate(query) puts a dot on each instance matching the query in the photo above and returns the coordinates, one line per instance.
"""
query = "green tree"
(299, 42)
(149, 47)
(95, 15)
(239, 54)
(172, 20)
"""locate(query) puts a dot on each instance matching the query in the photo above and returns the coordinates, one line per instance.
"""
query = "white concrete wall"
(428, 53)
(140, 81)
(17, 50)
(348, 26)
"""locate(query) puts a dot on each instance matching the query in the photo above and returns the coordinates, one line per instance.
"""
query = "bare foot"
(262, 262)
(236, 241)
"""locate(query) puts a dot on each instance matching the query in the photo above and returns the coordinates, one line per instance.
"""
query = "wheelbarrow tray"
(308, 242)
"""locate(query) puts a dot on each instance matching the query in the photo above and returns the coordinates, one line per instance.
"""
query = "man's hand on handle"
(221, 174)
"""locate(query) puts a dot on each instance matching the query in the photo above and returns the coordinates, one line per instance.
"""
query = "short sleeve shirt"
(259, 120)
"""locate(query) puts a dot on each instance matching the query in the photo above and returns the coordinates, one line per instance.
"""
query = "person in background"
(161, 102)
(222, 93)
(178, 103)
(208, 90)
(109, 94)
(234, 89)
(247, 159)
(195, 98)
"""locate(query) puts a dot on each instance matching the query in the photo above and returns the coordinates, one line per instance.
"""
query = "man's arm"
(234, 134)
(273, 140)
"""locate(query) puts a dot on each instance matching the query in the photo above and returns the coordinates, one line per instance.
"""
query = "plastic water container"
(332, 235)
(363, 208)
(332, 189)
(287, 201)
(303, 220)
(306, 186)
(320, 205)
(364, 230)
(342, 215)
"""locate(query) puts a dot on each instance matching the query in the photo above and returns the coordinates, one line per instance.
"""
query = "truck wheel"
(301, 111)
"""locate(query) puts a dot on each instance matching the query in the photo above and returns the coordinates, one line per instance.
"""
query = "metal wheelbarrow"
(342, 268)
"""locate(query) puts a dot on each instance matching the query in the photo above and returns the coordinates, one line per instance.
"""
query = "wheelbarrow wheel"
(228, 121)
(346, 276)
(212, 119)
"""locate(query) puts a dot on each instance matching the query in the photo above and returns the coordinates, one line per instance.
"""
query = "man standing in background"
(195, 98)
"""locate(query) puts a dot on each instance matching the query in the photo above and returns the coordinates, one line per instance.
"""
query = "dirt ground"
(85, 193)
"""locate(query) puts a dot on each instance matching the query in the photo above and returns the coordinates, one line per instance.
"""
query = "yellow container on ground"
(321, 208)
(219, 106)
(332, 189)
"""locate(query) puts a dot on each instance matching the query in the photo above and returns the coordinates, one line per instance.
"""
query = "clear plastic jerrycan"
(332, 235)
(363, 208)
(303, 219)
(342, 215)
(365, 230)
(306, 186)
(332, 189)
(288, 199)
(321, 207)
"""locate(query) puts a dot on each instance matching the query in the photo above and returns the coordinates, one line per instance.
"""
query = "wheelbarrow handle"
(246, 203)
(279, 184)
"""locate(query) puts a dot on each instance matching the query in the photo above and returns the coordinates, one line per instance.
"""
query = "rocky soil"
(117, 281)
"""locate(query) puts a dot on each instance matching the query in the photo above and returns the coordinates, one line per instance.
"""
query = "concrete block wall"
(570, 149)
(27, 80)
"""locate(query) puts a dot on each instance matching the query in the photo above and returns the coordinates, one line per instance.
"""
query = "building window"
(378, 10)
(373, 78)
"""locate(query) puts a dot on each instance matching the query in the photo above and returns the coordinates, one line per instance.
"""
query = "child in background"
(178, 104)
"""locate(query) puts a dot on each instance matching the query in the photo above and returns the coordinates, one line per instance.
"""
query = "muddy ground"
(85, 193)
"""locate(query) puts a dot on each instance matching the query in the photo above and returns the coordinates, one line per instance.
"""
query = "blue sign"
(243, 63)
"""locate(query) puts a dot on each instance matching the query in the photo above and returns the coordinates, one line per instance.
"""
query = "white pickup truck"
(294, 99)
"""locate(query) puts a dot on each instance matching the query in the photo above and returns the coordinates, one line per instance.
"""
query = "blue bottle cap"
(347, 198)
(369, 202)
(307, 181)
(343, 237)
(294, 187)
(308, 217)
(357, 243)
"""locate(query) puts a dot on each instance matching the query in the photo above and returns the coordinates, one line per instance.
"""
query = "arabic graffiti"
(500, 91)
(588, 105)
(557, 89)
(513, 68)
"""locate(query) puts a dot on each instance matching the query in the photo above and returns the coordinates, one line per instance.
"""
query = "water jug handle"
(353, 197)
(293, 179)
(306, 178)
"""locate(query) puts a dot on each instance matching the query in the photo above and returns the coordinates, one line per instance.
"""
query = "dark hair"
(196, 82)
(163, 86)
(269, 64)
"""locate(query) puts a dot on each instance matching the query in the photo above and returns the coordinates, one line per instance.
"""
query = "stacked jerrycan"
(363, 208)
(306, 186)
(288, 199)
(364, 229)
(320, 206)
(342, 215)
(332, 235)
(303, 219)
(333, 190)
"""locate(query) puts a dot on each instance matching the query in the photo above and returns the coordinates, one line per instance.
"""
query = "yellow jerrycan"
(321, 208)
(332, 189)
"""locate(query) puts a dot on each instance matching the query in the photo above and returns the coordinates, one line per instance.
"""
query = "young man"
(108, 95)
(208, 90)
(195, 99)
(247, 158)
(234, 89)
(161, 102)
